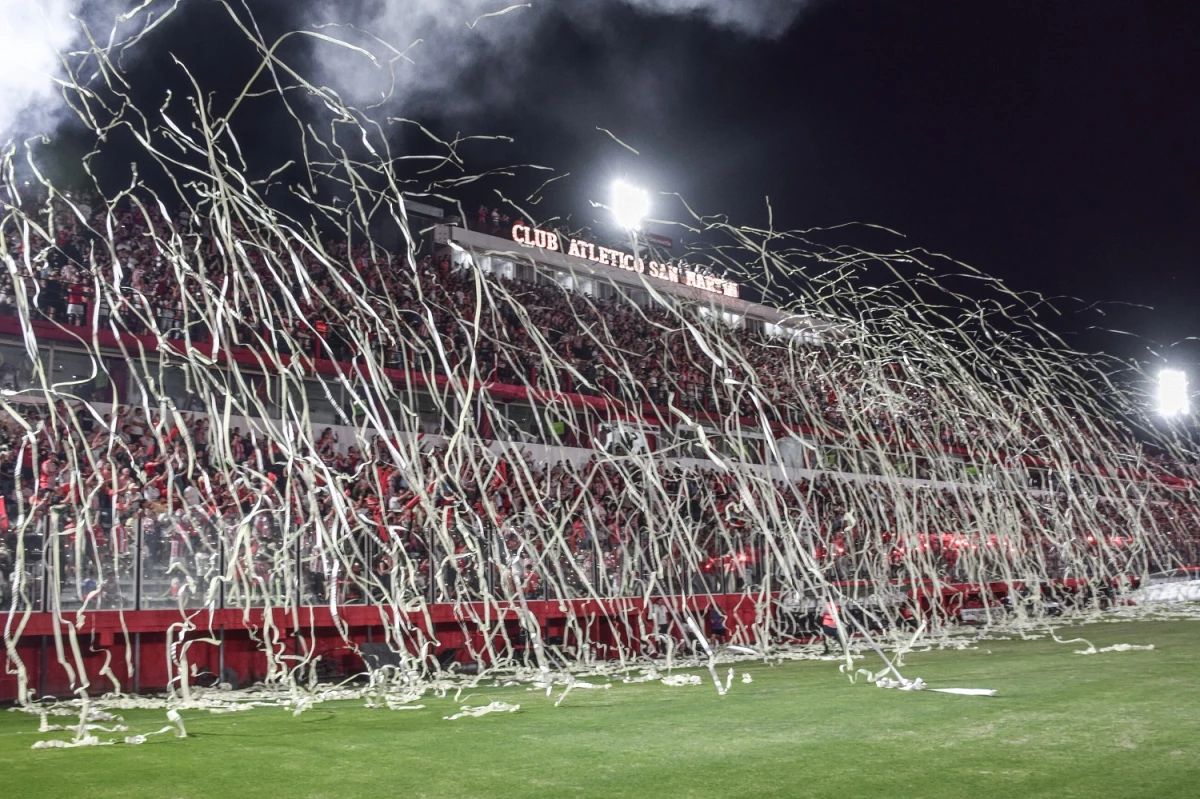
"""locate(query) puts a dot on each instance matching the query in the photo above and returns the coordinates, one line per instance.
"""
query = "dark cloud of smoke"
(762, 18)
(418, 59)
(423, 48)
(420, 49)
(540, 70)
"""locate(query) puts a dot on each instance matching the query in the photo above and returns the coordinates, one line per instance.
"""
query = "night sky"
(1053, 144)
(1055, 149)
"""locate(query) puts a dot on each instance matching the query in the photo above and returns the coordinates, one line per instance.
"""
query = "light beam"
(1172, 393)
(630, 205)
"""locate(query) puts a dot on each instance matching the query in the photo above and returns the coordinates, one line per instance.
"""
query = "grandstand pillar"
(137, 565)
(298, 576)
(224, 539)
(137, 662)
(42, 667)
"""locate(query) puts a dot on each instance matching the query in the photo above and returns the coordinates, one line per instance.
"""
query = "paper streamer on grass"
(678, 680)
(712, 665)
(899, 681)
(1091, 650)
(483, 710)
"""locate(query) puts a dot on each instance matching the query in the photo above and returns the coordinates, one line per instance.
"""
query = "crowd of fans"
(500, 524)
(440, 525)
(528, 333)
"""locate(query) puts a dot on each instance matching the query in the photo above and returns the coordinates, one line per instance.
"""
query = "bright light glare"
(630, 205)
(1172, 393)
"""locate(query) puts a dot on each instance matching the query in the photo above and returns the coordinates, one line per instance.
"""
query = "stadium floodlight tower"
(630, 205)
(1172, 394)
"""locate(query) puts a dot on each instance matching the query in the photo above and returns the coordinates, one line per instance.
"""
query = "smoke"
(49, 49)
(423, 49)
(33, 36)
(760, 18)
(409, 58)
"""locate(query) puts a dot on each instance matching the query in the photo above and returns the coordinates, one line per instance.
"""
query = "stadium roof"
(496, 245)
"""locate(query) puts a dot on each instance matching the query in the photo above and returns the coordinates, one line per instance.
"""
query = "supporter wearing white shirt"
(660, 617)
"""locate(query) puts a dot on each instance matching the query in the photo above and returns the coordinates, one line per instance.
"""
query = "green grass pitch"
(1120, 724)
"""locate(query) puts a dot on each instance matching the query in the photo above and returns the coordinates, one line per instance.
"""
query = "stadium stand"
(595, 418)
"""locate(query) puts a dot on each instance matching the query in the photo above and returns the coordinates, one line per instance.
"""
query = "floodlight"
(630, 205)
(1172, 393)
